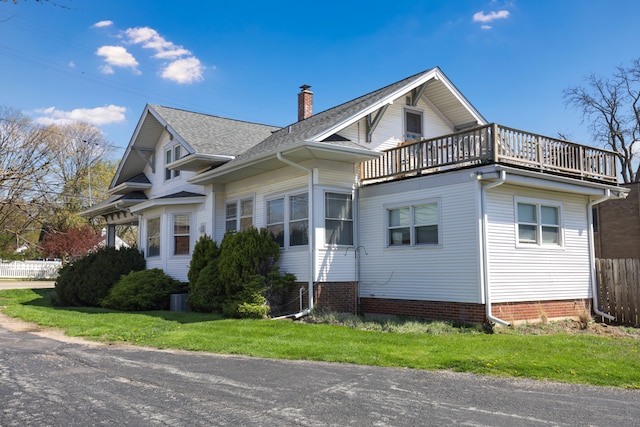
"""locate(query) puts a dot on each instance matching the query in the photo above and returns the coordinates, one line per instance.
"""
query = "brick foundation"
(341, 297)
(533, 311)
(465, 312)
(330, 296)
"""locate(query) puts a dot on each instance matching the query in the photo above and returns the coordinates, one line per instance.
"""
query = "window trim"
(174, 235)
(159, 219)
(539, 203)
(287, 220)
(387, 207)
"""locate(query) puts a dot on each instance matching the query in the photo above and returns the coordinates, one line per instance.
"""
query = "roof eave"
(355, 155)
(197, 162)
(167, 202)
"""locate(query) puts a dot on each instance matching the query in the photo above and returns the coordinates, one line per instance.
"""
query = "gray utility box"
(179, 302)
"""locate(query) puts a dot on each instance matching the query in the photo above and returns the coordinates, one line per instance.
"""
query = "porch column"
(111, 235)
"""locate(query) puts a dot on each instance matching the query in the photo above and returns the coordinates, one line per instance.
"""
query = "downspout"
(592, 256)
(311, 224)
(485, 246)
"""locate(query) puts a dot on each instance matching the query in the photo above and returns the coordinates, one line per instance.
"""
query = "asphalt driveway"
(50, 382)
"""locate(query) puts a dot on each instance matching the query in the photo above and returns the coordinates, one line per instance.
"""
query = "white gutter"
(311, 223)
(485, 246)
(592, 255)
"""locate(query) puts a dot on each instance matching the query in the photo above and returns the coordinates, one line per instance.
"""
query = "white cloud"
(72, 64)
(491, 16)
(184, 68)
(486, 27)
(150, 39)
(106, 69)
(102, 24)
(187, 70)
(95, 116)
(117, 56)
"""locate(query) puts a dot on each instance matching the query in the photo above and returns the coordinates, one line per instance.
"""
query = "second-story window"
(412, 124)
(171, 155)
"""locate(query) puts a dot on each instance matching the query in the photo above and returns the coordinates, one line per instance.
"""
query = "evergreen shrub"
(87, 281)
(240, 278)
(143, 291)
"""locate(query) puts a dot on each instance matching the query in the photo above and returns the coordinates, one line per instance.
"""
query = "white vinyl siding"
(532, 272)
(449, 271)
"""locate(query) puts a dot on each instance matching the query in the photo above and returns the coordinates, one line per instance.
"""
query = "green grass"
(573, 358)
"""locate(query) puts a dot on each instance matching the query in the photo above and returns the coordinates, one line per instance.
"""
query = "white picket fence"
(29, 269)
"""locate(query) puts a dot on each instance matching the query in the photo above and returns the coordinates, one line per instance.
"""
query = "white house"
(402, 201)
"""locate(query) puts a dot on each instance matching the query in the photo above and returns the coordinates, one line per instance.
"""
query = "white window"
(539, 223)
(275, 220)
(153, 237)
(289, 216)
(299, 220)
(338, 219)
(181, 234)
(171, 155)
(413, 224)
(412, 124)
(231, 216)
(239, 215)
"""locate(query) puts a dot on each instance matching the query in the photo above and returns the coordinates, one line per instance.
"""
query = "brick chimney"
(305, 103)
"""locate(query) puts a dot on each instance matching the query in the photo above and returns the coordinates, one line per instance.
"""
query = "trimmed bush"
(240, 278)
(87, 281)
(205, 250)
(143, 291)
(208, 293)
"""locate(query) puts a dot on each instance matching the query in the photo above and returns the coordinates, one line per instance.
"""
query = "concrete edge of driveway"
(26, 284)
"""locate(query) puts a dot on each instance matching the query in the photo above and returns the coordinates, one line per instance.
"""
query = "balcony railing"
(492, 144)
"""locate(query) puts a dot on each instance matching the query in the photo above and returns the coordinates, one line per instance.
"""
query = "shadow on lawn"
(183, 317)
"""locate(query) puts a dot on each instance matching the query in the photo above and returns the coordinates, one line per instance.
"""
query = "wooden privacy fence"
(29, 269)
(619, 289)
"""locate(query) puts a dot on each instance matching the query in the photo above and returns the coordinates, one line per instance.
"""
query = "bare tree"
(25, 160)
(611, 106)
(79, 166)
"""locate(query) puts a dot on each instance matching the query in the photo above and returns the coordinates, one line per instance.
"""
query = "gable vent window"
(412, 124)
(171, 155)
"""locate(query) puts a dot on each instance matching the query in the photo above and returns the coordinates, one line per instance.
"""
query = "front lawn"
(557, 356)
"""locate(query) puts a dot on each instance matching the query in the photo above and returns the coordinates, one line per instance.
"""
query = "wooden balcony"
(492, 144)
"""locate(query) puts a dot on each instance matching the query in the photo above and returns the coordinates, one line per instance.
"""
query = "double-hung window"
(153, 237)
(299, 219)
(413, 224)
(338, 219)
(275, 219)
(181, 234)
(171, 155)
(239, 215)
(288, 219)
(539, 223)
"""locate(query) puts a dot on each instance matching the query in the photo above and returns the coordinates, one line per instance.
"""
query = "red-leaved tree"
(72, 244)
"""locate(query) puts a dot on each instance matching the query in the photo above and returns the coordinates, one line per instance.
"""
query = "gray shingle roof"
(212, 134)
(310, 128)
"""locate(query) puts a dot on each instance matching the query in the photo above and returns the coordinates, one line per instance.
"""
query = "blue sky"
(102, 61)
